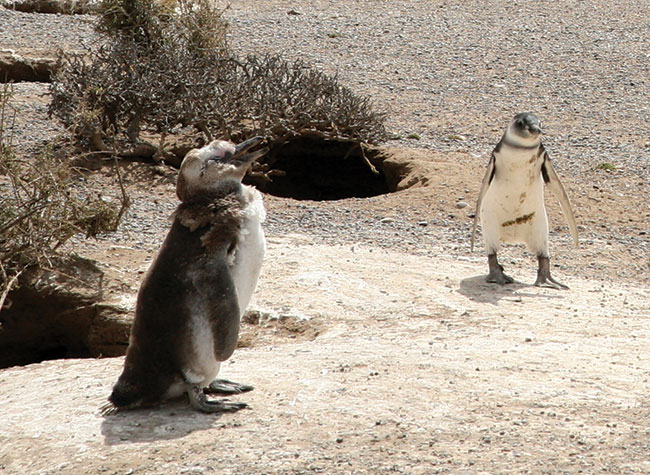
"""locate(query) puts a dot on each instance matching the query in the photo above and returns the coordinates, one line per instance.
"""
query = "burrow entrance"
(309, 168)
(58, 314)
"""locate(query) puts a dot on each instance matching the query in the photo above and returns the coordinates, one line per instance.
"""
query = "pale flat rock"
(420, 366)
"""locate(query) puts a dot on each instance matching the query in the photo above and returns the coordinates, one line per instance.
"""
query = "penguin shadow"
(478, 290)
(173, 420)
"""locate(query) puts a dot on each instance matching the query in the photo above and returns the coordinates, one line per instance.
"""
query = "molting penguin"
(193, 296)
(511, 200)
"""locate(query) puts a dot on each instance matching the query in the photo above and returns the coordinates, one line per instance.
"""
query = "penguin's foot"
(498, 277)
(108, 409)
(223, 386)
(544, 275)
(496, 274)
(200, 402)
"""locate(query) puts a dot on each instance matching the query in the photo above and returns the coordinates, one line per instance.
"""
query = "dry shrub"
(42, 205)
(152, 70)
(167, 67)
(270, 96)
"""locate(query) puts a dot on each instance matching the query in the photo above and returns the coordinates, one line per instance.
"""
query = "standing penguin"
(511, 200)
(193, 296)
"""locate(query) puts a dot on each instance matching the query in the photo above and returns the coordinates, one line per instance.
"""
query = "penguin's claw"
(548, 281)
(223, 386)
(108, 409)
(200, 402)
(544, 278)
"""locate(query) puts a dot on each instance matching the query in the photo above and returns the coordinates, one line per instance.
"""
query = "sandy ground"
(377, 362)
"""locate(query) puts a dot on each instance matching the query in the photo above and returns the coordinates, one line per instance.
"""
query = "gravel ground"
(460, 69)
(453, 73)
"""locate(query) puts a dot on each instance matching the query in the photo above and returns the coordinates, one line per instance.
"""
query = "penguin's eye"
(206, 163)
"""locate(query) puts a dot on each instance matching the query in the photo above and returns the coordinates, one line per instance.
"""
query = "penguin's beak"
(536, 129)
(241, 157)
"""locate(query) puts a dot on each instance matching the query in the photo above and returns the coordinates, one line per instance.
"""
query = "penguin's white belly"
(514, 212)
(247, 257)
(203, 367)
(247, 262)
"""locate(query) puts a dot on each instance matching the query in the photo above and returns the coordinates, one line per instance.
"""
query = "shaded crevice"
(56, 314)
(15, 68)
(64, 7)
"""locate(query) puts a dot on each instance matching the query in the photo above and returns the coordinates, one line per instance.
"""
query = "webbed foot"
(496, 274)
(223, 386)
(544, 278)
(200, 402)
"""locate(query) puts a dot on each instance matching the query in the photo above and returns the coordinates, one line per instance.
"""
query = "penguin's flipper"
(487, 179)
(216, 287)
(555, 185)
(223, 386)
(200, 401)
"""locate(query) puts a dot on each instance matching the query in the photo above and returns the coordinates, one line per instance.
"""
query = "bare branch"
(8, 286)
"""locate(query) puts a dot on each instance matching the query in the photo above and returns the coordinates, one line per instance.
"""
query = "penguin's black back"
(190, 272)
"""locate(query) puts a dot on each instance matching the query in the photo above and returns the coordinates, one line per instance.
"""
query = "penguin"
(511, 201)
(191, 300)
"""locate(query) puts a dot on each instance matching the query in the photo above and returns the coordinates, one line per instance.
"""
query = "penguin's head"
(525, 126)
(207, 168)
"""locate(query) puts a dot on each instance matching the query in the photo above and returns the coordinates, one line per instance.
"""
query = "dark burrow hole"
(17, 69)
(37, 328)
(59, 314)
(309, 168)
(41, 327)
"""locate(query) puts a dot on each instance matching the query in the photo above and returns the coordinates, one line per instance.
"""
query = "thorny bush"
(42, 205)
(164, 67)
